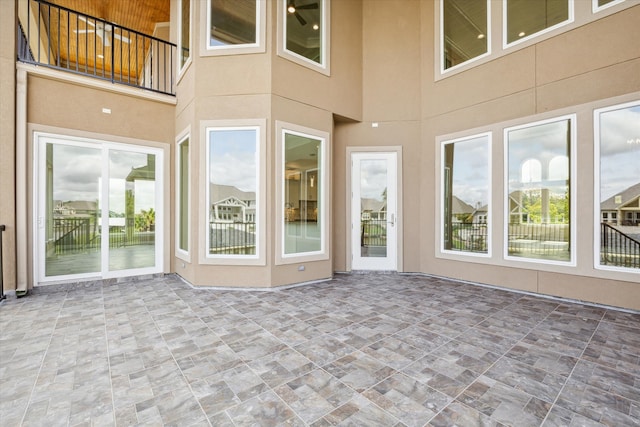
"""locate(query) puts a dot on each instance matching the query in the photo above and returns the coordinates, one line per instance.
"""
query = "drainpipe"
(21, 184)
(1, 270)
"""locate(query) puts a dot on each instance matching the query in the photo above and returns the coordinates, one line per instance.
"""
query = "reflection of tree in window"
(539, 192)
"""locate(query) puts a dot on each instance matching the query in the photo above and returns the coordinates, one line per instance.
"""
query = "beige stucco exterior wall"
(7, 141)
(590, 66)
(69, 108)
(265, 86)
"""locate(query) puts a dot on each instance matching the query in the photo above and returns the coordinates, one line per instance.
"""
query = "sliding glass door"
(98, 204)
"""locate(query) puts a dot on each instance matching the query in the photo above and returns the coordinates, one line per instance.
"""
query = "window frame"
(282, 129)
(258, 47)
(322, 67)
(179, 252)
(506, 44)
(183, 68)
(596, 188)
(596, 8)
(489, 141)
(466, 63)
(572, 187)
(259, 125)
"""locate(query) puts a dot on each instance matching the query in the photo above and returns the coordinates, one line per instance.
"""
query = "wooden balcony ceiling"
(138, 15)
(80, 45)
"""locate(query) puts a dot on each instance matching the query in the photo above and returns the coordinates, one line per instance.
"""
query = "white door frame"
(398, 223)
(39, 206)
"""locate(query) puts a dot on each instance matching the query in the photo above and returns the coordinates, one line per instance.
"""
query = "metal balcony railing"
(617, 248)
(62, 39)
(237, 238)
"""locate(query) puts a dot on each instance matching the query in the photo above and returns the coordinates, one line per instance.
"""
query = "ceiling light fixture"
(521, 34)
(291, 8)
(480, 36)
(316, 27)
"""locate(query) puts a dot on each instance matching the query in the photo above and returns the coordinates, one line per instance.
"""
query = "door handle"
(393, 220)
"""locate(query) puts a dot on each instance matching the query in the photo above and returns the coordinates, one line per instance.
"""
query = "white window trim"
(261, 189)
(185, 135)
(573, 191)
(469, 61)
(323, 67)
(596, 188)
(506, 44)
(283, 128)
(183, 69)
(461, 254)
(597, 8)
(238, 49)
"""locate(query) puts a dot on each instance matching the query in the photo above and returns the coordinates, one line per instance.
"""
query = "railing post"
(2, 227)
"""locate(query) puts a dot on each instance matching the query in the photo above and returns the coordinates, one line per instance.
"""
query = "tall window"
(305, 31)
(182, 191)
(525, 18)
(233, 192)
(466, 194)
(539, 193)
(184, 11)
(303, 193)
(234, 23)
(464, 31)
(617, 131)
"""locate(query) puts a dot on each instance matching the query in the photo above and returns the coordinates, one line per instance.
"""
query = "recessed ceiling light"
(521, 34)
(316, 26)
(291, 9)
(101, 56)
(480, 36)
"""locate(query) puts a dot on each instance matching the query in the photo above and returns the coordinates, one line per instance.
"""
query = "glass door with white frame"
(97, 208)
(374, 211)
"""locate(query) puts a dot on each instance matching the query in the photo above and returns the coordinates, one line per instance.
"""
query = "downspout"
(22, 248)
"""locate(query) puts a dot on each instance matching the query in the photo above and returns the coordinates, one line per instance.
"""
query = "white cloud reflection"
(619, 150)
(232, 158)
(471, 171)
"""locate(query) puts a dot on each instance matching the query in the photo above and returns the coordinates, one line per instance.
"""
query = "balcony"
(59, 38)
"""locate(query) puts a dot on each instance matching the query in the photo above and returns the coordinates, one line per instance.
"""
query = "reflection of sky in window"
(544, 143)
(373, 179)
(619, 150)
(232, 158)
(77, 176)
(471, 171)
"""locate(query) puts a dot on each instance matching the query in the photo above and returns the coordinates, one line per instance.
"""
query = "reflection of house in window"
(230, 204)
(622, 208)
(373, 209)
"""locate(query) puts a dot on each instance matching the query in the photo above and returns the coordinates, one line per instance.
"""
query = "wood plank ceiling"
(138, 15)
(82, 45)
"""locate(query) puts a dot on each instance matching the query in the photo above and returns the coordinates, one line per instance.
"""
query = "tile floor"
(361, 350)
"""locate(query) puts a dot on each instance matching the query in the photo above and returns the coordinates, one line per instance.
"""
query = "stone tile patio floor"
(362, 350)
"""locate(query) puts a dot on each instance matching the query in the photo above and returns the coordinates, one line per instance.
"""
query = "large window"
(464, 31)
(234, 24)
(232, 202)
(539, 194)
(305, 32)
(617, 131)
(182, 195)
(466, 194)
(525, 18)
(304, 194)
(184, 31)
